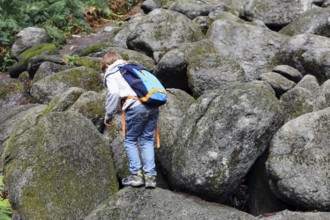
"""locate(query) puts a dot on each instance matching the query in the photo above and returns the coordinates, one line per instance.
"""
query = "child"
(140, 120)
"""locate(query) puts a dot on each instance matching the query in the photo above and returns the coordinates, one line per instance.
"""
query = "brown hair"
(109, 58)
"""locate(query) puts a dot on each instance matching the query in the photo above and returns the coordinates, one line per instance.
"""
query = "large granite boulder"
(162, 30)
(288, 72)
(314, 21)
(120, 38)
(91, 105)
(24, 58)
(170, 120)
(12, 92)
(299, 161)
(27, 38)
(303, 98)
(64, 100)
(57, 164)
(275, 12)
(308, 53)
(279, 83)
(194, 8)
(132, 203)
(10, 116)
(210, 71)
(83, 77)
(36, 61)
(48, 68)
(251, 46)
(221, 136)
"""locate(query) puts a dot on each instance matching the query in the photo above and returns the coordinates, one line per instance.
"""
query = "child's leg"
(136, 119)
(147, 142)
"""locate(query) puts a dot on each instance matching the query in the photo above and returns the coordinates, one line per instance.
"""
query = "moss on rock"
(88, 62)
(93, 48)
(41, 49)
(10, 89)
(58, 166)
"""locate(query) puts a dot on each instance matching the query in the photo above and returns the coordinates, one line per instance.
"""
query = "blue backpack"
(146, 86)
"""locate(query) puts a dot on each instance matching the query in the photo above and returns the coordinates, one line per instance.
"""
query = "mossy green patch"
(12, 88)
(82, 77)
(88, 62)
(93, 48)
(287, 31)
(60, 174)
(41, 49)
(49, 107)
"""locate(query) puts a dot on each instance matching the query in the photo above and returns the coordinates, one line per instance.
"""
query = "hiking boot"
(133, 180)
(150, 181)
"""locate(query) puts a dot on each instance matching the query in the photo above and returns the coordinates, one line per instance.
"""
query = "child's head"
(109, 58)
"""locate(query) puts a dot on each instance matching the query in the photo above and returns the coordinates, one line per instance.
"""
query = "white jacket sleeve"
(112, 98)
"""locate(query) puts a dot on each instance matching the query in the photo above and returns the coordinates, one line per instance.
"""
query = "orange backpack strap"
(157, 137)
(123, 123)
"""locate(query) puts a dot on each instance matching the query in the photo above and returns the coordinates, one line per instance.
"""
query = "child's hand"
(107, 122)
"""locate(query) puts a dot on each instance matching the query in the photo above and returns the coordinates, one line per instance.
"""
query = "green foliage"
(66, 15)
(7, 62)
(60, 18)
(70, 60)
(56, 35)
(5, 207)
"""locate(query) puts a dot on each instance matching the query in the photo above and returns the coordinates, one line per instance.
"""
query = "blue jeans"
(140, 125)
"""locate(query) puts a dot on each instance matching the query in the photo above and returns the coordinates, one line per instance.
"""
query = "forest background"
(60, 18)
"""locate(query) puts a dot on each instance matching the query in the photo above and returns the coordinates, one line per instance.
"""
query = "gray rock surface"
(208, 146)
(133, 203)
(193, 8)
(171, 70)
(47, 68)
(276, 12)
(222, 135)
(286, 214)
(58, 159)
(309, 54)
(162, 30)
(326, 4)
(210, 71)
(12, 115)
(314, 21)
(324, 97)
(27, 38)
(12, 92)
(171, 118)
(253, 47)
(279, 83)
(305, 97)
(90, 105)
(120, 39)
(288, 72)
(149, 5)
(36, 61)
(83, 77)
(299, 161)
